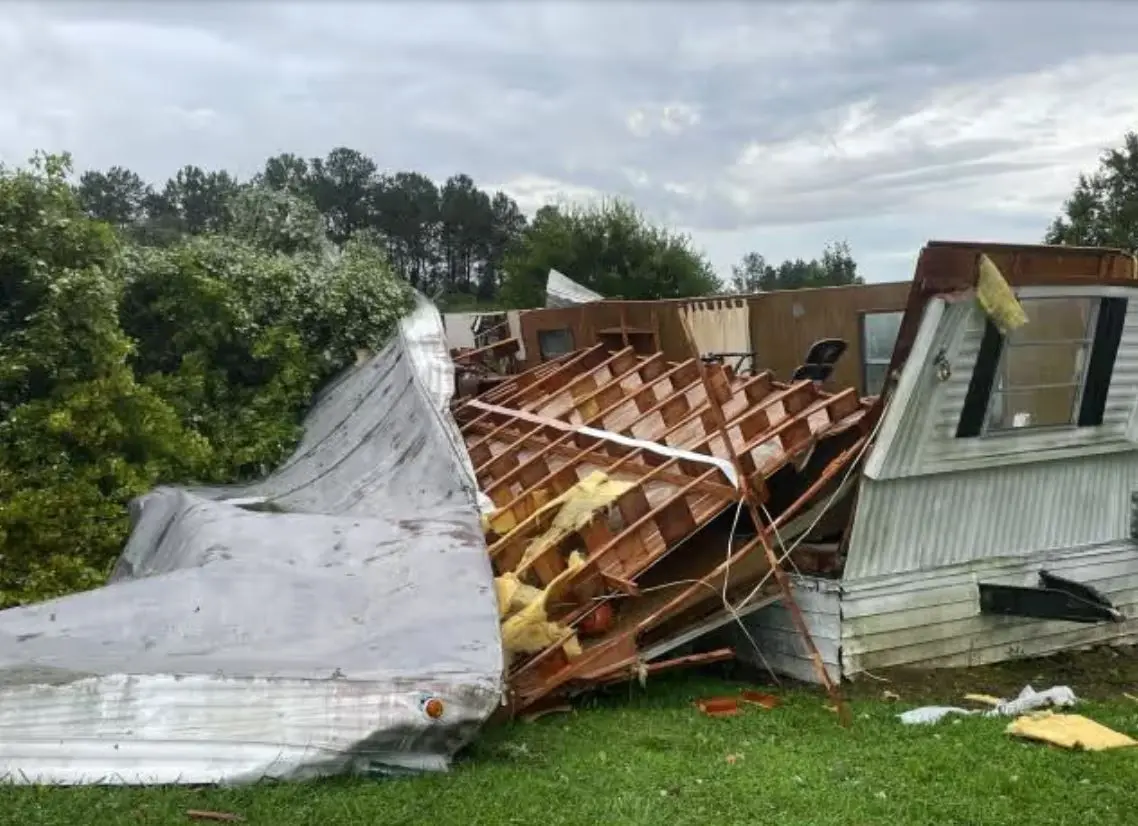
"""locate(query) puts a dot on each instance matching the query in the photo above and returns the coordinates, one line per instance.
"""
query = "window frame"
(542, 354)
(1008, 343)
(863, 348)
(1105, 327)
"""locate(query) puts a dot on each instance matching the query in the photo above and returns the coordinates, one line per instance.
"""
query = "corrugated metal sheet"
(780, 644)
(932, 618)
(235, 645)
(926, 522)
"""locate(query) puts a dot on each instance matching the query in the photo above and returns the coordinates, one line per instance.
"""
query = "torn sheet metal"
(562, 291)
(347, 625)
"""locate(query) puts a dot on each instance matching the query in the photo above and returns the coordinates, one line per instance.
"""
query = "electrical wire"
(825, 509)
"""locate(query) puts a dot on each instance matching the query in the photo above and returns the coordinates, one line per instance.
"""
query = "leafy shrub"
(78, 436)
(124, 366)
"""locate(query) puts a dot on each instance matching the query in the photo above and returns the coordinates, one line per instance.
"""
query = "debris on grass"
(928, 715)
(1028, 700)
(1069, 731)
(758, 698)
(217, 817)
(718, 706)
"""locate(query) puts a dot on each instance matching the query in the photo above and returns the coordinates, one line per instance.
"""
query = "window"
(554, 343)
(1052, 372)
(878, 335)
(1042, 367)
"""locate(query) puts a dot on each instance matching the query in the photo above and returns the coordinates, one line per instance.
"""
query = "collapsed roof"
(607, 471)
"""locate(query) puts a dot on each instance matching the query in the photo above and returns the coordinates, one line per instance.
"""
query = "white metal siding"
(936, 500)
(779, 642)
(922, 523)
(937, 514)
(932, 619)
(925, 442)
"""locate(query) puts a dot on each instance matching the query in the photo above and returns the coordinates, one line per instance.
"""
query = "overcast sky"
(767, 127)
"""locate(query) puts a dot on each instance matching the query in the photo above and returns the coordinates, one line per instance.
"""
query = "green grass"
(640, 757)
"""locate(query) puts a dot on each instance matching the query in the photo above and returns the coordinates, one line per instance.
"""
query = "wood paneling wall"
(783, 324)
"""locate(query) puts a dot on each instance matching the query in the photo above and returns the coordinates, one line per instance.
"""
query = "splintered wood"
(607, 470)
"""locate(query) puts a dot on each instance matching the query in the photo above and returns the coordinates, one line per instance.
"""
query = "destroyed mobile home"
(602, 517)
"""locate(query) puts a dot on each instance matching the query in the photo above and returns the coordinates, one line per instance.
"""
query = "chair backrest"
(820, 360)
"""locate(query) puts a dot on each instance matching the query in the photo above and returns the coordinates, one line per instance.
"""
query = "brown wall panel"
(783, 324)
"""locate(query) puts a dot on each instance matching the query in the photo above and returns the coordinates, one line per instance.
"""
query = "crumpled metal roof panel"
(356, 631)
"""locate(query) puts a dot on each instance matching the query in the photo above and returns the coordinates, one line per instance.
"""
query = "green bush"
(123, 366)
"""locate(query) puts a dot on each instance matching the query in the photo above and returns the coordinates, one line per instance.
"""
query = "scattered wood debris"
(719, 706)
(217, 817)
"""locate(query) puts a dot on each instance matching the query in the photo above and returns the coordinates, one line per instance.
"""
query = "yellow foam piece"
(513, 594)
(1069, 731)
(997, 297)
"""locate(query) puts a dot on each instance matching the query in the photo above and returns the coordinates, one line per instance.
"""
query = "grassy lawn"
(638, 756)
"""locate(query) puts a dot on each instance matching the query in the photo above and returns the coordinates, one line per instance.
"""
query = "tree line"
(454, 241)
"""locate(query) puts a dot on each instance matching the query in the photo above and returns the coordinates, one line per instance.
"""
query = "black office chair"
(820, 360)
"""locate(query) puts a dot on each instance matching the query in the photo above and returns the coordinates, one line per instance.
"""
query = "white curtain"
(719, 325)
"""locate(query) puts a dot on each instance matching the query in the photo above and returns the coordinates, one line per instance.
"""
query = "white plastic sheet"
(1028, 700)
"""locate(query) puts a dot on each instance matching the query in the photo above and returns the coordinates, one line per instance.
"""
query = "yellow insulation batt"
(997, 298)
(526, 628)
(1069, 731)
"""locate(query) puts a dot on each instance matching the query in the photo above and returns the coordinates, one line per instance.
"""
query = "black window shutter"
(980, 387)
(1100, 365)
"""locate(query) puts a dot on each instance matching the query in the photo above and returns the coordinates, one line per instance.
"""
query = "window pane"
(553, 343)
(1055, 319)
(879, 332)
(875, 378)
(1042, 367)
(1043, 364)
(1038, 407)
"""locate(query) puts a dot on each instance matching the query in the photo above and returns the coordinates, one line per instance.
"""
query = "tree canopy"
(609, 248)
(1103, 209)
(190, 357)
(835, 268)
(449, 241)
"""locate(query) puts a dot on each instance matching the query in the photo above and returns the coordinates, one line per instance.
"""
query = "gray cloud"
(745, 123)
